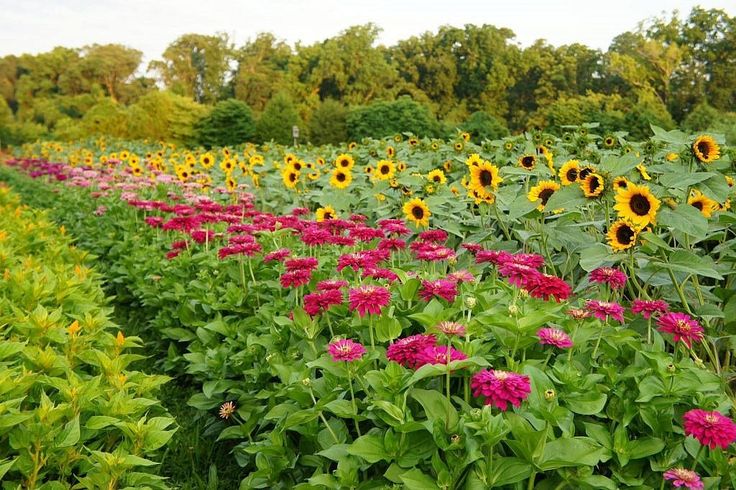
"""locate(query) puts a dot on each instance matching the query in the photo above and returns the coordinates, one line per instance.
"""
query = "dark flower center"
(697, 205)
(485, 177)
(340, 177)
(327, 215)
(385, 169)
(527, 161)
(594, 184)
(640, 205)
(292, 177)
(704, 148)
(624, 235)
(572, 174)
(545, 194)
(417, 212)
(584, 173)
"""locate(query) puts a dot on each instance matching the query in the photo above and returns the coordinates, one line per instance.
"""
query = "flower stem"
(697, 458)
(598, 342)
(352, 398)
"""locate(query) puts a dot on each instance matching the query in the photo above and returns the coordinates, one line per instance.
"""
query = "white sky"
(33, 26)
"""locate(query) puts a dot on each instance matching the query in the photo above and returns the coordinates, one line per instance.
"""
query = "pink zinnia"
(441, 288)
(520, 275)
(462, 275)
(578, 313)
(608, 275)
(682, 326)
(276, 255)
(369, 299)
(331, 284)
(437, 236)
(496, 257)
(316, 303)
(301, 263)
(451, 328)
(405, 351)
(437, 354)
(711, 429)
(346, 350)
(554, 336)
(546, 286)
(529, 260)
(603, 309)
(649, 308)
(501, 387)
(295, 278)
(684, 478)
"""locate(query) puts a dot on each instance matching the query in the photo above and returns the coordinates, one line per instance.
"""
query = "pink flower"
(437, 236)
(441, 288)
(711, 429)
(295, 278)
(276, 255)
(554, 336)
(451, 328)
(578, 313)
(603, 309)
(684, 478)
(316, 303)
(247, 249)
(405, 351)
(520, 275)
(328, 284)
(530, 260)
(501, 387)
(380, 273)
(462, 275)
(649, 308)
(346, 350)
(437, 354)
(682, 326)
(546, 286)
(369, 299)
(301, 263)
(496, 257)
(608, 275)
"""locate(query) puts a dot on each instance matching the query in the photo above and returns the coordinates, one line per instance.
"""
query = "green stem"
(352, 399)
(532, 477)
(697, 458)
(598, 341)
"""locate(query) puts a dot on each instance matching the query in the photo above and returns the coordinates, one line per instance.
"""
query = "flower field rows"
(533, 312)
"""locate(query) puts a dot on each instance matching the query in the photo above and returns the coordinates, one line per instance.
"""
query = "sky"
(34, 26)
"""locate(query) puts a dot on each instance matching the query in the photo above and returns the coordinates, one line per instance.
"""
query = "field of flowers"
(534, 312)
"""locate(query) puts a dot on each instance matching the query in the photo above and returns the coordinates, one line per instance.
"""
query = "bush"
(278, 117)
(230, 123)
(165, 116)
(328, 123)
(705, 117)
(483, 126)
(382, 119)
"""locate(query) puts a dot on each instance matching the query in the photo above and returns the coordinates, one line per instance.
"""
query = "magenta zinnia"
(603, 309)
(648, 308)
(442, 288)
(682, 326)
(681, 477)
(608, 275)
(501, 387)
(711, 429)
(346, 350)
(554, 336)
(405, 351)
(437, 354)
(369, 299)
(316, 303)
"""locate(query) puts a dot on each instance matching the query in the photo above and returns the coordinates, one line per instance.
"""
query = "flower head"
(648, 308)
(316, 303)
(442, 288)
(546, 286)
(684, 478)
(405, 351)
(682, 326)
(451, 328)
(603, 309)
(345, 350)
(608, 275)
(554, 336)
(369, 299)
(501, 387)
(227, 409)
(711, 429)
(437, 354)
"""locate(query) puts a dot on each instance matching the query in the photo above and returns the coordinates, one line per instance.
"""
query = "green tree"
(110, 65)
(262, 70)
(483, 126)
(277, 119)
(382, 119)
(163, 115)
(230, 123)
(328, 123)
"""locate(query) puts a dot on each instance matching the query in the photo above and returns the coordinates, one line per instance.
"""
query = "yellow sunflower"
(622, 235)
(527, 162)
(417, 211)
(289, 158)
(325, 213)
(706, 149)
(636, 204)
(227, 165)
(542, 192)
(437, 176)
(584, 172)
(447, 165)
(290, 178)
(385, 169)
(593, 185)
(465, 136)
(702, 203)
(473, 160)
(672, 156)
(341, 178)
(569, 172)
(344, 161)
(353, 145)
(643, 171)
(320, 161)
(256, 160)
(401, 166)
(484, 178)
(413, 141)
(488, 197)
(458, 146)
(620, 183)
(729, 180)
(390, 152)
(207, 160)
(231, 184)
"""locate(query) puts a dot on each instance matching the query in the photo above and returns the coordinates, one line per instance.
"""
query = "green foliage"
(705, 117)
(602, 109)
(382, 119)
(230, 123)
(328, 123)
(277, 120)
(165, 116)
(484, 126)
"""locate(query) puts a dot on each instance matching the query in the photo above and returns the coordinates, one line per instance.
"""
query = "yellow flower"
(569, 172)
(380, 197)
(390, 152)
(290, 177)
(593, 185)
(325, 213)
(385, 169)
(542, 192)
(344, 161)
(231, 183)
(473, 160)
(706, 149)
(207, 160)
(672, 156)
(636, 204)
(465, 136)
(484, 178)
(643, 171)
(437, 176)
(702, 203)
(256, 160)
(417, 211)
(527, 162)
(622, 235)
(341, 178)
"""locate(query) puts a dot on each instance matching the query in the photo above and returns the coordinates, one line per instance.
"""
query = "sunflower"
(398, 138)
(133, 160)
(473, 160)
(207, 160)
(702, 203)
(341, 178)
(289, 158)
(447, 165)
(390, 152)
(622, 235)
(325, 213)
(620, 183)
(706, 149)
(137, 171)
(593, 185)
(672, 156)
(729, 180)
(320, 161)
(569, 172)
(435, 146)
(637, 205)
(508, 146)
(385, 169)
(609, 141)
(295, 164)
(256, 160)
(231, 184)
(584, 172)
(227, 165)
(290, 178)
(368, 169)
(401, 166)
(484, 178)
(527, 162)
(643, 171)
(417, 211)
(344, 161)
(488, 197)
(437, 176)
(465, 136)
(124, 155)
(314, 175)
(542, 192)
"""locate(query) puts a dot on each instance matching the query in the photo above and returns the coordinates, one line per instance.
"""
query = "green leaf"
(436, 407)
(387, 328)
(589, 403)
(619, 165)
(574, 451)
(391, 409)
(646, 446)
(684, 218)
(416, 480)
(369, 447)
(69, 435)
(100, 422)
(5, 466)
(507, 471)
(569, 198)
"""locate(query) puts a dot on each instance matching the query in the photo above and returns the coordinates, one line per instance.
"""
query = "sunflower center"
(704, 149)
(527, 161)
(572, 174)
(436, 178)
(485, 177)
(584, 173)
(292, 177)
(327, 215)
(697, 205)
(594, 184)
(417, 212)
(624, 234)
(640, 205)
(340, 177)
(384, 169)
(545, 194)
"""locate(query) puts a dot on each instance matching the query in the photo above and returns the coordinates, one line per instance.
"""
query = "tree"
(262, 70)
(196, 65)
(328, 123)
(483, 126)
(230, 123)
(165, 116)
(382, 119)
(277, 120)
(111, 65)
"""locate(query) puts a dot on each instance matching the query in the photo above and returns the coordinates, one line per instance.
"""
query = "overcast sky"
(33, 26)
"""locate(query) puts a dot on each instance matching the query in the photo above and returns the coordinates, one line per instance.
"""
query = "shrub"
(328, 123)
(483, 126)
(230, 123)
(277, 120)
(382, 119)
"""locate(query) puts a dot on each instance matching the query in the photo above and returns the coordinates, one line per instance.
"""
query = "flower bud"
(549, 395)
(470, 302)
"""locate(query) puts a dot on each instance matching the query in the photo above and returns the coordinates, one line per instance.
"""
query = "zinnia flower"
(369, 299)
(603, 309)
(554, 336)
(545, 286)
(316, 303)
(405, 351)
(227, 409)
(346, 350)
(709, 428)
(608, 275)
(684, 478)
(648, 308)
(682, 326)
(451, 328)
(501, 387)
(442, 288)
(437, 354)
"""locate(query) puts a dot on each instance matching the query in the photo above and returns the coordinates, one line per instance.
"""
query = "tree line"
(205, 90)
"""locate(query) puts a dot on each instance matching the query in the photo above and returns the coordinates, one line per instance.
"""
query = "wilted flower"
(451, 328)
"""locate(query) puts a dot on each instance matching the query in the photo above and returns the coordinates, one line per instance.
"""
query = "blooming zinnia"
(547, 286)
(442, 288)
(554, 336)
(682, 326)
(369, 299)
(346, 350)
(608, 275)
(451, 328)
(709, 428)
(316, 303)
(603, 309)
(684, 478)
(501, 387)
(437, 354)
(405, 351)
(648, 308)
